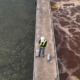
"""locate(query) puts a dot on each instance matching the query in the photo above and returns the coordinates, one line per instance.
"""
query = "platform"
(44, 69)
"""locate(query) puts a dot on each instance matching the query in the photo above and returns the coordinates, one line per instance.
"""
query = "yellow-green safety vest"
(42, 44)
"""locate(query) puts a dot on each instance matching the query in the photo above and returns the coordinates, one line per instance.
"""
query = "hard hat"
(42, 39)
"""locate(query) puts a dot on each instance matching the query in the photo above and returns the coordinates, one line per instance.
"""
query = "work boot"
(43, 56)
(37, 56)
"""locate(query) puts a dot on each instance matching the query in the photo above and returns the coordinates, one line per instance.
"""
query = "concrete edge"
(35, 45)
(54, 43)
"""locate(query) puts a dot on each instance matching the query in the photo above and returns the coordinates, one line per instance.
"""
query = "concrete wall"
(44, 70)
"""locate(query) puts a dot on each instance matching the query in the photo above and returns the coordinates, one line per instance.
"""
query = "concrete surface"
(44, 70)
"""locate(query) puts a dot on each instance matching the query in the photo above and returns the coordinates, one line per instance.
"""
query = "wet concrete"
(66, 19)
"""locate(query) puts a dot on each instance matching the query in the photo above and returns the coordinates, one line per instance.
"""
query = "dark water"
(66, 20)
(17, 29)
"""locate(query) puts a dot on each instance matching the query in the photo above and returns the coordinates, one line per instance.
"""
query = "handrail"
(55, 53)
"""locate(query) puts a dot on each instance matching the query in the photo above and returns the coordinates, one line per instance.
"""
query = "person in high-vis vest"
(42, 45)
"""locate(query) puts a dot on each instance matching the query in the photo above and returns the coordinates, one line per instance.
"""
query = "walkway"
(44, 70)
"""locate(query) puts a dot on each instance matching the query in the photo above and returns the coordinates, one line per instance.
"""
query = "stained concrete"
(44, 70)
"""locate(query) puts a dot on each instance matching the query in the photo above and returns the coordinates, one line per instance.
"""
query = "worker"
(42, 45)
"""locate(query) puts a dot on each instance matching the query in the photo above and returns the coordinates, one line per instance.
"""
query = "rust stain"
(56, 5)
(53, 6)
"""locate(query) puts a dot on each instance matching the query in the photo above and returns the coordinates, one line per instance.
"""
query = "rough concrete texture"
(44, 70)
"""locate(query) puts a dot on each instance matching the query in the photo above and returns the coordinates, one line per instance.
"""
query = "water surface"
(17, 28)
(66, 20)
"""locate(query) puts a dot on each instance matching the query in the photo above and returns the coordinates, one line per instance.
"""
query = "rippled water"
(66, 20)
(17, 21)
